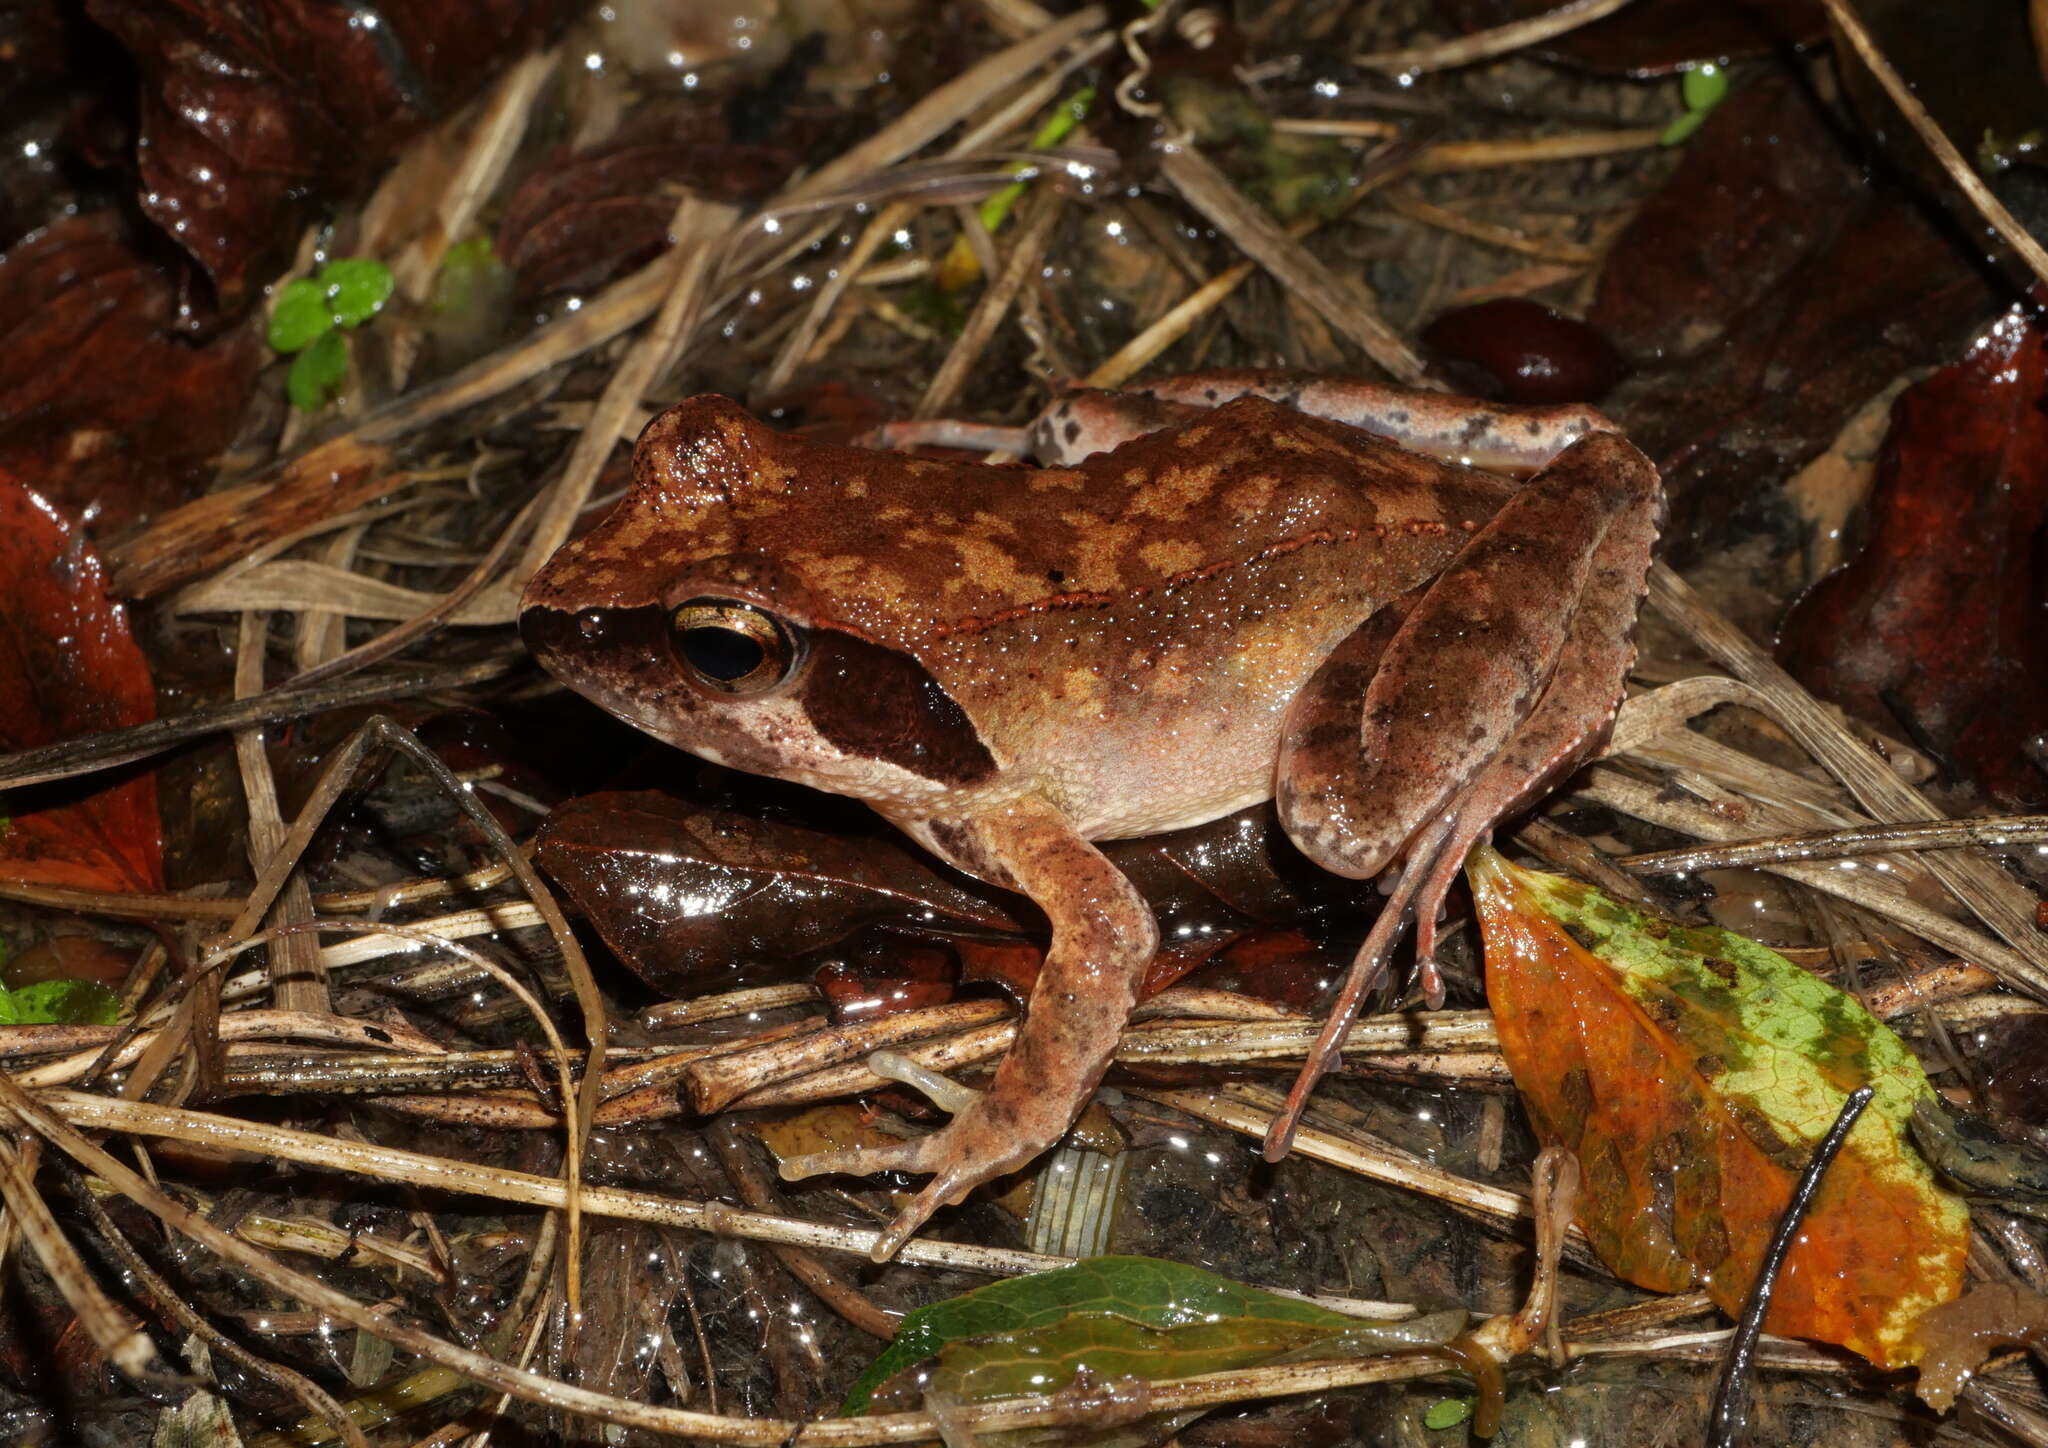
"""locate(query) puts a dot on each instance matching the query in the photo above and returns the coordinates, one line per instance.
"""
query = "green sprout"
(1447, 1413)
(310, 316)
(1702, 87)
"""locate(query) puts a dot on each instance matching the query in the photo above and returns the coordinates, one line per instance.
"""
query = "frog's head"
(665, 615)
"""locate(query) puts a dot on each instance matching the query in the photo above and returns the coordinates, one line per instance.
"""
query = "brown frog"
(1236, 601)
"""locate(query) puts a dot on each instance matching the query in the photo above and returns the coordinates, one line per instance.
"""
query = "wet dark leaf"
(63, 87)
(886, 975)
(1761, 296)
(1977, 70)
(1655, 37)
(102, 404)
(2016, 1071)
(1935, 627)
(1522, 351)
(582, 218)
(68, 666)
(681, 893)
(250, 110)
(1235, 871)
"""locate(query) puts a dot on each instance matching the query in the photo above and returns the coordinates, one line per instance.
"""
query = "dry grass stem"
(700, 229)
(1993, 832)
(1979, 883)
(1340, 302)
(1042, 212)
(298, 980)
(1506, 237)
(1362, 130)
(1866, 888)
(1489, 44)
(102, 1113)
(1576, 146)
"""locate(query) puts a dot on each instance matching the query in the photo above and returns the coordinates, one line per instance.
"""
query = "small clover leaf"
(1702, 88)
(356, 289)
(301, 314)
(317, 372)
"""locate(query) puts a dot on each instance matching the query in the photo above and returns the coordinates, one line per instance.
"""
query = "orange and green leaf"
(1691, 1071)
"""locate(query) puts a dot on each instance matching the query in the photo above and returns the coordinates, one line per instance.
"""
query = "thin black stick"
(90, 753)
(1729, 1418)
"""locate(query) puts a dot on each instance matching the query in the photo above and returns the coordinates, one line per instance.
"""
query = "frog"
(1204, 594)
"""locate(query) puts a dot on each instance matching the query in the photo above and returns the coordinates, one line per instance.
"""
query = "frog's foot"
(959, 1155)
(1367, 967)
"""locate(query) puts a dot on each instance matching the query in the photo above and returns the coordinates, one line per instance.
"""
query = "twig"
(1259, 237)
(90, 753)
(1994, 832)
(1730, 1415)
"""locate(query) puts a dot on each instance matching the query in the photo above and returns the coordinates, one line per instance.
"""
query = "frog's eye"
(732, 647)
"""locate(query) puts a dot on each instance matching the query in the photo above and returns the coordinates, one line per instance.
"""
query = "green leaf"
(465, 269)
(1123, 1316)
(357, 288)
(1447, 1413)
(300, 315)
(1704, 87)
(61, 1003)
(317, 372)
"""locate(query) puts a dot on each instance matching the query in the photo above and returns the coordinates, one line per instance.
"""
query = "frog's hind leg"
(1498, 436)
(1483, 690)
(1103, 937)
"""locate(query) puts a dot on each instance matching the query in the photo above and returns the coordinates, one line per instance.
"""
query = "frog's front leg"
(1103, 937)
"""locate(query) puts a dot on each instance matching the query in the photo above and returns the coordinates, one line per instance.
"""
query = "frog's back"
(911, 551)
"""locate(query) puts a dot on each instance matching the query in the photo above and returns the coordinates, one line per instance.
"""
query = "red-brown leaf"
(68, 666)
(1935, 628)
(102, 403)
(249, 107)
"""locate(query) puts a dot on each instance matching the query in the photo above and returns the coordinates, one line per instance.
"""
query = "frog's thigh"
(1319, 789)
(1500, 437)
(1461, 673)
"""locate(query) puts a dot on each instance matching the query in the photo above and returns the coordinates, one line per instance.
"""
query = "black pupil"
(722, 653)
